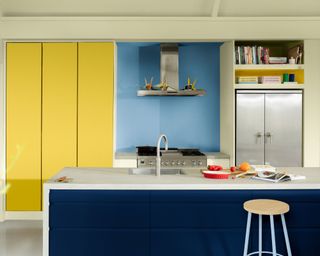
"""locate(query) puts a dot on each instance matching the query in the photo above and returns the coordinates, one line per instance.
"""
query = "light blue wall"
(187, 121)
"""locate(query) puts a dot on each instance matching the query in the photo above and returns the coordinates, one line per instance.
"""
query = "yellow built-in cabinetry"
(59, 107)
(95, 113)
(59, 113)
(23, 126)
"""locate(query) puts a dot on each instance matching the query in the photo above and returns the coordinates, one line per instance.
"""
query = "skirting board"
(20, 215)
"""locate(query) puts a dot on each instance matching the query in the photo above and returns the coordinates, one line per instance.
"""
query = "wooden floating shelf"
(142, 93)
(269, 66)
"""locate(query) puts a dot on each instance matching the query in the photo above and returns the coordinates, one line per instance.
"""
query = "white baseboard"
(20, 215)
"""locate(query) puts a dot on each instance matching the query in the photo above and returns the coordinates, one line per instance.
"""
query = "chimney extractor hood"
(169, 65)
(169, 74)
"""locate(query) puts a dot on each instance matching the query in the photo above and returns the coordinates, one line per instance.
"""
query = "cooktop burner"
(191, 152)
(152, 151)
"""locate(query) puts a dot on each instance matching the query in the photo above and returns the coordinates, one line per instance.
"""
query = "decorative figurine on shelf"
(148, 85)
(163, 85)
(296, 52)
(299, 55)
(191, 86)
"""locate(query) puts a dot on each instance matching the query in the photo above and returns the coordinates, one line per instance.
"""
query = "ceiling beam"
(152, 29)
(215, 8)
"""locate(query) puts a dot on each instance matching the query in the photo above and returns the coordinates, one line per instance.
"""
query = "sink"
(146, 171)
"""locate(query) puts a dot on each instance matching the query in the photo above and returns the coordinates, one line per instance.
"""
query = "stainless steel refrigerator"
(269, 127)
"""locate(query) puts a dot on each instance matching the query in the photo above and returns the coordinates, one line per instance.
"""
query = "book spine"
(236, 56)
(254, 55)
(246, 55)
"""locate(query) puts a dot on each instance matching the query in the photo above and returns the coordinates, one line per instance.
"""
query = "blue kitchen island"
(109, 212)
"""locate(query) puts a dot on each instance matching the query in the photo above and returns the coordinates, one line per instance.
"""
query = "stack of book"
(251, 55)
(270, 79)
(247, 80)
(277, 60)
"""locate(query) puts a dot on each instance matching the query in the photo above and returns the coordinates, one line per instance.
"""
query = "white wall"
(312, 104)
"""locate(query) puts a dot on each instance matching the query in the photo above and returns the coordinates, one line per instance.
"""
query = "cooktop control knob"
(199, 162)
(173, 163)
(194, 163)
(183, 163)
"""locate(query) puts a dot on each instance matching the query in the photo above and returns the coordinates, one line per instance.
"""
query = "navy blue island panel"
(175, 222)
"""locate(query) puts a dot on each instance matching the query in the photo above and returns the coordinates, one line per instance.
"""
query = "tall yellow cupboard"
(59, 107)
(59, 113)
(23, 126)
(95, 106)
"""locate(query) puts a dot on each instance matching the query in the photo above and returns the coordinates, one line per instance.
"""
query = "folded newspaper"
(273, 177)
(269, 173)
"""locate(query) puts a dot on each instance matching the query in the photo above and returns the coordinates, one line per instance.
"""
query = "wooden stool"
(266, 207)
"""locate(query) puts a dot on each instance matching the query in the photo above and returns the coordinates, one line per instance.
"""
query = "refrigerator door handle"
(268, 135)
(258, 137)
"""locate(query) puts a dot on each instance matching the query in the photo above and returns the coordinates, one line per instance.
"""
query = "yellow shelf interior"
(299, 74)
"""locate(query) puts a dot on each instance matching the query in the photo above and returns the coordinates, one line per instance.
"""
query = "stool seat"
(266, 207)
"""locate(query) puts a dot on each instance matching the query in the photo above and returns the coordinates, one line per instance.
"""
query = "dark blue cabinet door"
(99, 242)
(200, 242)
(98, 222)
(202, 223)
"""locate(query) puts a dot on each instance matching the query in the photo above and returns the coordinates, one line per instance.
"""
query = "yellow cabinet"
(59, 107)
(95, 106)
(23, 126)
(59, 113)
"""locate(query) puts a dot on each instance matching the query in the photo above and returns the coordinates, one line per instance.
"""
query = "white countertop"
(118, 178)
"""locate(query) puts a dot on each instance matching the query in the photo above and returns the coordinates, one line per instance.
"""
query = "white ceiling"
(269, 8)
(162, 8)
(106, 7)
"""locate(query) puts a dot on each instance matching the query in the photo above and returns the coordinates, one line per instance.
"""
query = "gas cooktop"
(171, 158)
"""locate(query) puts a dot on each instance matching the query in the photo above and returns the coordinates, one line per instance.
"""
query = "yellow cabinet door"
(23, 126)
(59, 107)
(95, 106)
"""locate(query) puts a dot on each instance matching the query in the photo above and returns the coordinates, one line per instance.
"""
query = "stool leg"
(273, 237)
(286, 237)
(260, 235)
(246, 243)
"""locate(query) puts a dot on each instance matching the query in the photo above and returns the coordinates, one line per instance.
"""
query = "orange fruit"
(244, 167)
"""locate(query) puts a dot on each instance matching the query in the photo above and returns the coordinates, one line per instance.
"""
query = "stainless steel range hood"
(169, 73)
(169, 65)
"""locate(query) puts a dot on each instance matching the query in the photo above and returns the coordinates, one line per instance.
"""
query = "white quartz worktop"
(118, 178)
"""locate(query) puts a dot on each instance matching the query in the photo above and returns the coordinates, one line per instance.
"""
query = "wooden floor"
(21, 238)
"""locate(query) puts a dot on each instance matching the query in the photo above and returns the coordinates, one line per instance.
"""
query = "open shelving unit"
(275, 49)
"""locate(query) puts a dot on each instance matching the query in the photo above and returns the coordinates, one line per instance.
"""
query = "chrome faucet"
(158, 161)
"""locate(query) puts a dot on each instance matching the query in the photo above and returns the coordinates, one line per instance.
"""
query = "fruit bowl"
(216, 174)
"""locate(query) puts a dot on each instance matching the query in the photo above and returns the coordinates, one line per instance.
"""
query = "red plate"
(216, 175)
